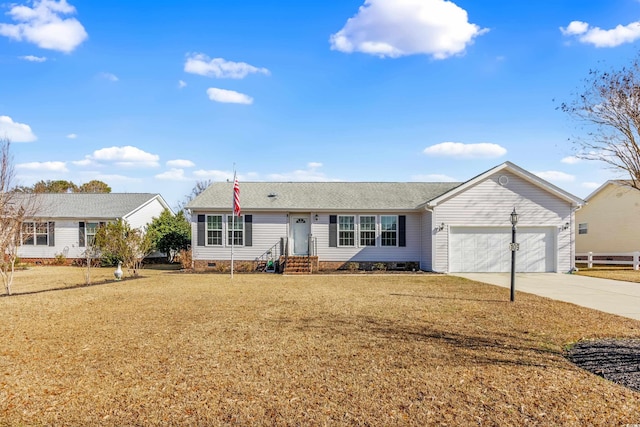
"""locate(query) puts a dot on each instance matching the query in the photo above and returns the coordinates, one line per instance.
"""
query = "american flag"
(236, 196)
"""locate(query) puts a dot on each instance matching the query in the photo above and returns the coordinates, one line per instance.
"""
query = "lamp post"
(514, 248)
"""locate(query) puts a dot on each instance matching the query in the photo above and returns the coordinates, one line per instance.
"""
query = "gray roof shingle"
(319, 196)
(90, 205)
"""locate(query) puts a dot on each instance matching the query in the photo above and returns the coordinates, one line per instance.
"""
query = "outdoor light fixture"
(514, 247)
(316, 217)
(514, 217)
(441, 226)
(565, 226)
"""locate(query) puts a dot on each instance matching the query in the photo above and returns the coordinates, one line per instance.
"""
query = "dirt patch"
(614, 360)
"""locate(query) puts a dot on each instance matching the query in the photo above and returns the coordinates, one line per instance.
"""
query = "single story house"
(66, 223)
(441, 227)
(608, 222)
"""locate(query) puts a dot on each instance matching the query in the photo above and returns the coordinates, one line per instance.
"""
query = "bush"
(184, 258)
(352, 266)
(381, 266)
(60, 259)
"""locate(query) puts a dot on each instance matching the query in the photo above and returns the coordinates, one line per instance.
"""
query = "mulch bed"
(614, 360)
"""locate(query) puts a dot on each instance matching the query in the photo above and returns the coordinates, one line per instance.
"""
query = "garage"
(486, 249)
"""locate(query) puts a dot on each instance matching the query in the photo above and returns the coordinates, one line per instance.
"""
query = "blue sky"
(154, 96)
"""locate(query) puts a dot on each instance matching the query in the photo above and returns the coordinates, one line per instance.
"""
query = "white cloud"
(459, 150)
(32, 58)
(570, 160)
(602, 38)
(555, 176)
(181, 84)
(14, 131)
(44, 166)
(44, 25)
(180, 163)
(311, 173)
(591, 185)
(393, 28)
(72, 136)
(215, 175)
(434, 177)
(228, 96)
(199, 63)
(126, 156)
(109, 76)
(173, 174)
(84, 162)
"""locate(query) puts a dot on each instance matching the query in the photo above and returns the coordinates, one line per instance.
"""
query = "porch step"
(300, 265)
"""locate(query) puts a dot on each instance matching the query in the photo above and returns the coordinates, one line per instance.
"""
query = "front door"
(300, 230)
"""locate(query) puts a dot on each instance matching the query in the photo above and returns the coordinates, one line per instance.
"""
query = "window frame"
(237, 234)
(393, 234)
(363, 230)
(583, 228)
(348, 236)
(30, 237)
(211, 242)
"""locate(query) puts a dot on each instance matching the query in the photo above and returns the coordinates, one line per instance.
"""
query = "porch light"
(514, 217)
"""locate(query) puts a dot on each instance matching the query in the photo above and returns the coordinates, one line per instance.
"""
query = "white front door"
(300, 230)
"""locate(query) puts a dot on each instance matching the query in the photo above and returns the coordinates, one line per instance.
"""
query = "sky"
(152, 96)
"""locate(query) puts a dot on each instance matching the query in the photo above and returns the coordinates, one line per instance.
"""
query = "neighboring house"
(66, 223)
(442, 227)
(608, 222)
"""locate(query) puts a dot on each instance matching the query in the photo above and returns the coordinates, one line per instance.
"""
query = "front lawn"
(624, 273)
(200, 349)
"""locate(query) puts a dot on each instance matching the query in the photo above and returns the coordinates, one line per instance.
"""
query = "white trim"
(157, 197)
(397, 231)
(354, 231)
(206, 230)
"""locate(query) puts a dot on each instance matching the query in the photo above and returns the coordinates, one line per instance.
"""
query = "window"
(35, 233)
(214, 230)
(236, 229)
(346, 231)
(367, 231)
(389, 230)
(90, 230)
(583, 228)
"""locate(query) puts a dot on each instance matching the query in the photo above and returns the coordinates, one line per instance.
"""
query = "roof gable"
(516, 170)
(93, 205)
(613, 182)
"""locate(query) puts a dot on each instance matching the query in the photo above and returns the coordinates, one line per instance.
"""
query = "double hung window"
(35, 233)
(214, 230)
(346, 230)
(389, 230)
(235, 227)
(367, 230)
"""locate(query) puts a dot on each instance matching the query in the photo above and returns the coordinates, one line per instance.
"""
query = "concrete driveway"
(610, 296)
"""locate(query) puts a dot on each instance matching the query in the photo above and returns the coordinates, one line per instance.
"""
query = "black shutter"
(81, 234)
(402, 230)
(333, 231)
(52, 233)
(201, 230)
(248, 230)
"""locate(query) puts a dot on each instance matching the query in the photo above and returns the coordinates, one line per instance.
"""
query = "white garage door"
(486, 249)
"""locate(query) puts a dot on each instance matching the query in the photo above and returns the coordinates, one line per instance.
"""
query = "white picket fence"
(590, 258)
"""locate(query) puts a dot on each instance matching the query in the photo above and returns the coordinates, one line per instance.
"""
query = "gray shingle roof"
(318, 196)
(90, 205)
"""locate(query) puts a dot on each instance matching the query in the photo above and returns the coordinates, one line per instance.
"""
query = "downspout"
(433, 238)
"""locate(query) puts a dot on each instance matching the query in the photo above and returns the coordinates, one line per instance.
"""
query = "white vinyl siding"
(267, 229)
(408, 253)
(143, 215)
(489, 204)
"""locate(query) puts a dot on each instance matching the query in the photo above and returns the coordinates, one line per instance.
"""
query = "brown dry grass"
(624, 273)
(188, 349)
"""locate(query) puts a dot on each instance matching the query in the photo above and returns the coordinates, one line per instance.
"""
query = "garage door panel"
(486, 249)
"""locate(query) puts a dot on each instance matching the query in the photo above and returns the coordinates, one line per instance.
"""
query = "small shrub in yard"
(184, 258)
(59, 259)
(353, 266)
(221, 268)
(380, 266)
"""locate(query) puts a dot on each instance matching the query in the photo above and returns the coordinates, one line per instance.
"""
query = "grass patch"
(624, 273)
(198, 349)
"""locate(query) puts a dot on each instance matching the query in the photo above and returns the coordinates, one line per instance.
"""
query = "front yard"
(200, 349)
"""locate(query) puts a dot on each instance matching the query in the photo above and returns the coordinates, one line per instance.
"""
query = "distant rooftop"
(90, 205)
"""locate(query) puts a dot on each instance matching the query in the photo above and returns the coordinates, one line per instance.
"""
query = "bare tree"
(608, 107)
(195, 192)
(15, 207)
